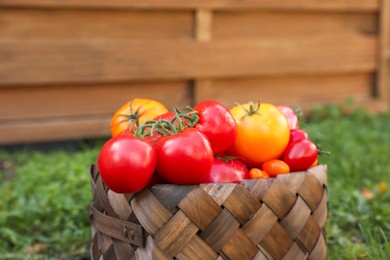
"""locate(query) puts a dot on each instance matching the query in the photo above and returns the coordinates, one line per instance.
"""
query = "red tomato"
(275, 167)
(184, 158)
(298, 135)
(126, 163)
(217, 124)
(292, 118)
(232, 171)
(300, 155)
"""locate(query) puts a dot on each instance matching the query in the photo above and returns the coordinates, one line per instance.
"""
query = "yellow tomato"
(262, 132)
(136, 111)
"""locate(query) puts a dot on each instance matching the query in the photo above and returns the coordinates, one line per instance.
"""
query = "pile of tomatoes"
(207, 143)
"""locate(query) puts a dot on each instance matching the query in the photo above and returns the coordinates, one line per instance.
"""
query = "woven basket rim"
(294, 205)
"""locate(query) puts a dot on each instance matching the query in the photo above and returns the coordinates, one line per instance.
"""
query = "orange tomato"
(315, 163)
(135, 112)
(256, 173)
(275, 167)
(262, 132)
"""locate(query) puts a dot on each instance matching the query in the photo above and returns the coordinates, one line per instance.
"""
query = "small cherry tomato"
(300, 155)
(256, 173)
(275, 167)
(315, 163)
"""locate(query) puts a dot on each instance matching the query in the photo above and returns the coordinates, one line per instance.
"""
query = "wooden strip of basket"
(280, 218)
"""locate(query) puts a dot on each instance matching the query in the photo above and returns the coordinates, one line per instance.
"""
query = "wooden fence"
(66, 66)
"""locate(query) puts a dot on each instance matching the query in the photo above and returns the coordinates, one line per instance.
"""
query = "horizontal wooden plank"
(54, 130)
(284, 25)
(77, 100)
(342, 5)
(61, 129)
(59, 24)
(305, 92)
(36, 62)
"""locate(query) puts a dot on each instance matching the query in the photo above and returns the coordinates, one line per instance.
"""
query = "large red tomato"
(262, 132)
(126, 163)
(217, 124)
(135, 111)
(184, 158)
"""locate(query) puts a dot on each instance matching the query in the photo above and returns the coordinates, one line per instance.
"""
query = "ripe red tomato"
(217, 124)
(292, 118)
(298, 135)
(262, 132)
(184, 158)
(126, 163)
(231, 171)
(275, 167)
(300, 155)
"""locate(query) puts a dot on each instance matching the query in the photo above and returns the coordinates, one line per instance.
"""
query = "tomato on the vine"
(134, 112)
(300, 155)
(217, 124)
(185, 157)
(126, 163)
(262, 132)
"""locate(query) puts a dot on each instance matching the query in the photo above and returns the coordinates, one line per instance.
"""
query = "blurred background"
(67, 66)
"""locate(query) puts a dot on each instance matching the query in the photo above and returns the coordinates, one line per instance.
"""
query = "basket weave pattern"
(281, 218)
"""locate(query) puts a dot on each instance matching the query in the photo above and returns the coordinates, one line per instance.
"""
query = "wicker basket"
(281, 218)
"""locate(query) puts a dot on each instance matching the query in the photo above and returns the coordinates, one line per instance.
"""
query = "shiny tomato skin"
(217, 124)
(298, 135)
(262, 136)
(184, 158)
(256, 173)
(292, 118)
(300, 155)
(275, 167)
(231, 171)
(126, 163)
(142, 109)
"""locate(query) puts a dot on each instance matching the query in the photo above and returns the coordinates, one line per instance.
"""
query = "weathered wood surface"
(333, 5)
(66, 66)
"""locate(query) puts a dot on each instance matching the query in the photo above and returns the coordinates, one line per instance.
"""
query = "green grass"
(44, 195)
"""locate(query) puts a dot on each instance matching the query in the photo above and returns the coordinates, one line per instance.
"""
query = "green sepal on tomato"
(262, 132)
